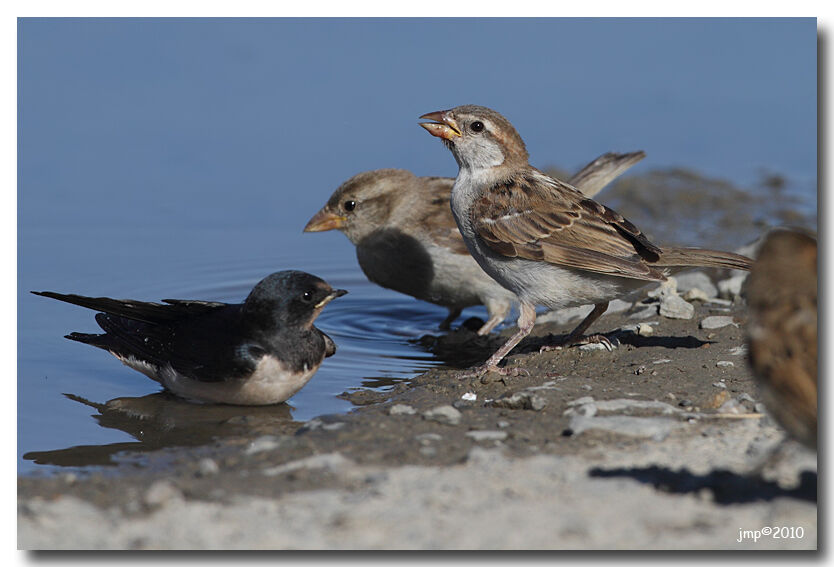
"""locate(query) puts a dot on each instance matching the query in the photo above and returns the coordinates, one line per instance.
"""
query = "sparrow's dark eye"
(350, 205)
(477, 126)
(307, 296)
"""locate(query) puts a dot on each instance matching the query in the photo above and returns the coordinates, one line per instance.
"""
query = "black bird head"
(288, 298)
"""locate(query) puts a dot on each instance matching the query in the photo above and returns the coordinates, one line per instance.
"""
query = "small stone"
(640, 369)
(487, 435)
(731, 287)
(503, 424)
(685, 403)
(739, 350)
(207, 467)
(669, 287)
(160, 493)
(326, 461)
(745, 397)
(401, 409)
(671, 396)
(716, 322)
(443, 414)
(520, 400)
(700, 281)
(428, 438)
(695, 294)
(720, 385)
(645, 330)
(661, 361)
(262, 443)
(724, 364)
(674, 307)
(587, 387)
(469, 397)
(718, 399)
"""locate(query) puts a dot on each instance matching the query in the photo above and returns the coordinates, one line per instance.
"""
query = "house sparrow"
(782, 332)
(256, 353)
(407, 240)
(541, 238)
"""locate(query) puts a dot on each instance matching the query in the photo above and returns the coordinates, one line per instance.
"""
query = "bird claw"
(596, 339)
(590, 339)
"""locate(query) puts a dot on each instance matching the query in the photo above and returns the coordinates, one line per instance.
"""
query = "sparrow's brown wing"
(437, 217)
(536, 217)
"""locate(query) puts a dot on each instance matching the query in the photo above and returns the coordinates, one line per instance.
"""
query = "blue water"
(181, 158)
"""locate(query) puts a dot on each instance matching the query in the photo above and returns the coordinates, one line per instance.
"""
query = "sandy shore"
(659, 444)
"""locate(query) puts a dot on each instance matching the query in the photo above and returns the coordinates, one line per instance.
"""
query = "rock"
(327, 461)
(469, 397)
(717, 322)
(401, 409)
(695, 294)
(719, 385)
(262, 443)
(724, 364)
(696, 281)
(160, 493)
(645, 330)
(739, 350)
(521, 400)
(427, 438)
(487, 435)
(443, 414)
(717, 400)
(669, 287)
(674, 307)
(656, 428)
(731, 287)
(207, 467)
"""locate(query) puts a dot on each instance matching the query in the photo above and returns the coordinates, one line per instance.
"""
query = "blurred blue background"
(182, 157)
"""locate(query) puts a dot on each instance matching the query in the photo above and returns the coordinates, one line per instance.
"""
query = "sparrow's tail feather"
(692, 257)
(602, 171)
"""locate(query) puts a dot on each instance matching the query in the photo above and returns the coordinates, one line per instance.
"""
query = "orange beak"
(444, 126)
(324, 220)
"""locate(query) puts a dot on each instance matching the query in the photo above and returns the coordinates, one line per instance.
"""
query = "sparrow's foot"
(587, 340)
(595, 339)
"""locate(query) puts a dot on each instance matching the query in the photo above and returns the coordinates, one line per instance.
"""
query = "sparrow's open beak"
(336, 293)
(444, 126)
(324, 220)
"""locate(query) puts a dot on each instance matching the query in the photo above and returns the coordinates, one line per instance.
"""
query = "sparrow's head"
(479, 137)
(363, 203)
(287, 299)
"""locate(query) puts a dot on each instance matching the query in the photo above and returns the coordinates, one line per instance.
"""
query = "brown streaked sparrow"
(782, 331)
(406, 238)
(541, 238)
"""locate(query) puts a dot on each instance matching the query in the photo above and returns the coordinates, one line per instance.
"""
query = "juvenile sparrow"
(406, 238)
(541, 238)
(782, 332)
(256, 353)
